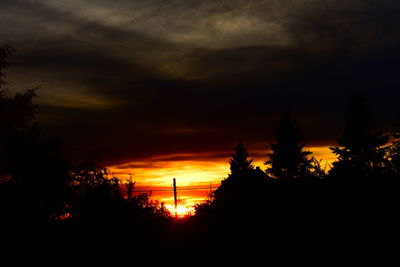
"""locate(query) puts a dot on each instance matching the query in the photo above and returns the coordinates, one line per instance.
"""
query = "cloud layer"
(146, 78)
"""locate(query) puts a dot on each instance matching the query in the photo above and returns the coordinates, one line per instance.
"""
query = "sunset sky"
(165, 89)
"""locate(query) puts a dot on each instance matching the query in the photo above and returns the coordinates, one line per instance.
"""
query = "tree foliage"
(34, 176)
(360, 150)
(289, 160)
(240, 161)
(241, 186)
(37, 184)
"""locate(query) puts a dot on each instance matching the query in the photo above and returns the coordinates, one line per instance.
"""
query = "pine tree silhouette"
(288, 160)
(243, 185)
(239, 161)
(360, 151)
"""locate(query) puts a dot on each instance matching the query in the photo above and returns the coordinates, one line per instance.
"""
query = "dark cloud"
(137, 79)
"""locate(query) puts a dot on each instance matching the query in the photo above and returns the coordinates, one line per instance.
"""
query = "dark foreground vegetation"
(293, 213)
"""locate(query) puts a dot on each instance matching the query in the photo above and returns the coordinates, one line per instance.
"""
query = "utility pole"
(176, 200)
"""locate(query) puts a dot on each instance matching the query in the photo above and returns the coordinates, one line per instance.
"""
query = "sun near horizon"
(195, 178)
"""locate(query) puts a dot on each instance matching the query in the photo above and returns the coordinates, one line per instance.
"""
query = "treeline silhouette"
(38, 186)
(294, 199)
(302, 213)
(364, 158)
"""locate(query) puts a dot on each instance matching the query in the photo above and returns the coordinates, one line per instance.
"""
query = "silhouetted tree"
(37, 185)
(149, 206)
(16, 116)
(288, 160)
(34, 176)
(206, 206)
(360, 151)
(95, 193)
(239, 161)
(243, 185)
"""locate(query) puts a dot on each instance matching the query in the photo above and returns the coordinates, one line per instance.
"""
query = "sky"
(164, 88)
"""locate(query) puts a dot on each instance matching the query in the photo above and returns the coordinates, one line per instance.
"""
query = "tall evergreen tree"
(360, 151)
(240, 161)
(244, 184)
(288, 160)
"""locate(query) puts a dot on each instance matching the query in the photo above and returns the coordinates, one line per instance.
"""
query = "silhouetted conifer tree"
(240, 161)
(360, 151)
(288, 160)
(244, 184)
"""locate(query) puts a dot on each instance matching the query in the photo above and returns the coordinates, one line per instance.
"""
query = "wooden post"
(176, 200)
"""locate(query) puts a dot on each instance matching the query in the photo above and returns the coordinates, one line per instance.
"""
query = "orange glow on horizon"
(193, 176)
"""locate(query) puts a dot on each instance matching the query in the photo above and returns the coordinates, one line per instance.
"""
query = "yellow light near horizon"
(187, 173)
(158, 173)
(181, 210)
(324, 155)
